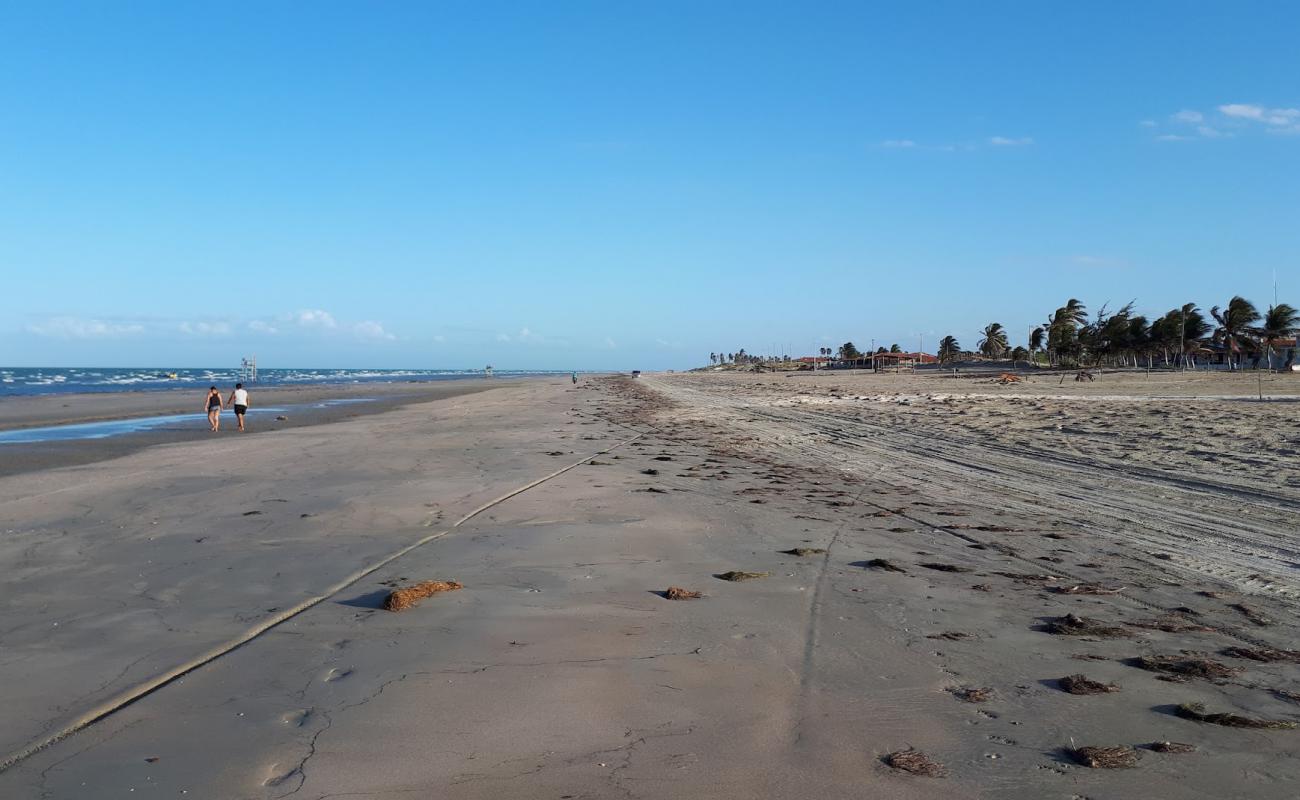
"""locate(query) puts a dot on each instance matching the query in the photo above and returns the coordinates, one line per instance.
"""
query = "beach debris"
(1184, 665)
(952, 636)
(1121, 757)
(663, 458)
(595, 463)
(981, 587)
(1196, 713)
(1251, 614)
(252, 513)
(1283, 694)
(1089, 657)
(1263, 654)
(887, 566)
(914, 762)
(1007, 378)
(1029, 577)
(1171, 624)
(652, 490)
(804, 552)
(1087, 588)
(678, 593)
(402, 599)
(738, 575)
(1074, 625)
(554, 452)
(940, 567)
(1171, 747)
(281, 418)
(900, 530)
(650, 471)
(971, 694)
(1080, 684)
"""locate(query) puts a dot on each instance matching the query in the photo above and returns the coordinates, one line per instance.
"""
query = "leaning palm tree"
(1280, 322)
(1234, 329)
(1037, 338)
(994, 343)
(949, 349)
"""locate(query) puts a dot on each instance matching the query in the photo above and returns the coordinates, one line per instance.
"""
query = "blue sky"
(617, 185)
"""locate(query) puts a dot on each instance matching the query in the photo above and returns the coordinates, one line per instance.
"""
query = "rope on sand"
(159, 681)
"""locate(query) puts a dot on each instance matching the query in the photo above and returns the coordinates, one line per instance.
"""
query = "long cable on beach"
(159, 681)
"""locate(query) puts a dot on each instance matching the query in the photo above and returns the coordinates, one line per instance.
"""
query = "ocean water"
(64, 380)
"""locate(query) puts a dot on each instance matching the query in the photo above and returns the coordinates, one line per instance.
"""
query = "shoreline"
(74, 409)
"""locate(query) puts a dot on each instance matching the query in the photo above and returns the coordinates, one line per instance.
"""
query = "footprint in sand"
(297, 718)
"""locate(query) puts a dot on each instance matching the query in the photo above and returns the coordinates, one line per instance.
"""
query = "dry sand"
(561, 671)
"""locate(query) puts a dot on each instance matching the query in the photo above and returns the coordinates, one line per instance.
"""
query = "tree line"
(1125, 338)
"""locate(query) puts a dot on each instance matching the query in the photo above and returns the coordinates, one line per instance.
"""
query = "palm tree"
(1063, 329)
(893, 348)
(1280, 322)
(994, 343)
(949, 349)
(1037, 337)
(1234, 326)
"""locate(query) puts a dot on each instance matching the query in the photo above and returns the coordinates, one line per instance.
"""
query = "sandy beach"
(919, 545)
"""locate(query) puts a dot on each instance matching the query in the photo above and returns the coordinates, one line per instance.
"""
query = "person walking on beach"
(214, 407)
(575, 378)
(239, 399)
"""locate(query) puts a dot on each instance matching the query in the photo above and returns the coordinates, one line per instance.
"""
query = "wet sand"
(311, 404)
(560, 670)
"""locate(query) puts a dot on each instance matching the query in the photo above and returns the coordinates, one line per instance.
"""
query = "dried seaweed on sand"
(1081, 684)
(887, 566)
(914, 762)
(1074, 625)
(1251, 614)
(1087, 588)
(1196, 712)
(951, 636)
(738, 575)
(971, 694)
(402, 599)
(678, 593)
(1105, 757)
(1028, 577)
(1263, 654)
(804, 552)
(938, 567)
(1188, 666)
(1171, 747)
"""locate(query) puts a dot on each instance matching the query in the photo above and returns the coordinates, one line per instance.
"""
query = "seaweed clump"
(402, 599)
(1074, 625)
(1080, 684)
(1105, 757)
(914, 762)
(1196, 713)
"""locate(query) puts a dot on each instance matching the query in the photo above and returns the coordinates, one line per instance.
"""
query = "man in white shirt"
(239, 399)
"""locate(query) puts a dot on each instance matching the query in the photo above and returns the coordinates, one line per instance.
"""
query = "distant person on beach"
(214, 407)
(239, 399)
(575, 378)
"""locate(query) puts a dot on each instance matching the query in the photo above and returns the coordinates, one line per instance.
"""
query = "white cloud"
(258, 326)
(1268, 116)
(1188, 117)
(1211, 133)
(1003, 141)
(1171, 137)
(315, 318)
(1147, 123)
(78, 328)
(898, 143)
(205, 328)
(372, 330)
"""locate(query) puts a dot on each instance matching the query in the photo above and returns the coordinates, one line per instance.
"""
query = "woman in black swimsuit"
(214, 408)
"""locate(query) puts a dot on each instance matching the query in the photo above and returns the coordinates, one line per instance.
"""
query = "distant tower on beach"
(248, 369)
(487, 371)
